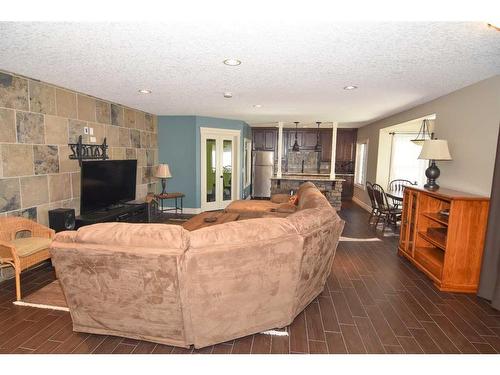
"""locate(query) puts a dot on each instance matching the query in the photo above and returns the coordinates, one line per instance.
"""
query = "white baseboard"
(362, 204)
(185, 210)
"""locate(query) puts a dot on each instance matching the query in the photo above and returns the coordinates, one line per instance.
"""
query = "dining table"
(396, 195)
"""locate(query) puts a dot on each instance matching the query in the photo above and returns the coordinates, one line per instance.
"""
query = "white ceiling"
(295, 70)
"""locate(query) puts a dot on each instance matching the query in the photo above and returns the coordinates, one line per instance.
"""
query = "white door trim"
(217, 132)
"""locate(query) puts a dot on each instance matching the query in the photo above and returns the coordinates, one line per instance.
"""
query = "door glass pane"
(227, 169)
(211, 169)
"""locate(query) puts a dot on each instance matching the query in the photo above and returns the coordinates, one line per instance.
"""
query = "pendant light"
(296, 147)
(423, 134)
(318, 144)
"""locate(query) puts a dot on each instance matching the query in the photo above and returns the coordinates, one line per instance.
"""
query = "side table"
(166, 196)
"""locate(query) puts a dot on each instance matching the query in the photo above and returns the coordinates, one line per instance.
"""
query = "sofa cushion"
(241, 232)
(137, 235)
(248, 206)
(312, 198)
(287, 208)
(280, 198)
(303, 187)
(30, 245)
(308, 220)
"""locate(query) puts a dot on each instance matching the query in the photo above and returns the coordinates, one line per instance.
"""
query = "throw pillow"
(294, 199)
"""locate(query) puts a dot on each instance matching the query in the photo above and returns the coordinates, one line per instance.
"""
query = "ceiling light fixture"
(145, 91)
(350, 87)
(424, 133)
(296, 147)
(317, 148)
(257, 105)
(228, 94)
(232, 62)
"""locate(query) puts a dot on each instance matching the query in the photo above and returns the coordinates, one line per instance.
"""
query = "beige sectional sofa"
(164, 284)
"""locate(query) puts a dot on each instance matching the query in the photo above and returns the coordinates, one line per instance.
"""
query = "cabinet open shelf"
(433, 239)
(447, 249)
(437, 217)
(431, 258)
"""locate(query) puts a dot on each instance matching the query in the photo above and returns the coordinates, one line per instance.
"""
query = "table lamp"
(434, 149)
(163, 172)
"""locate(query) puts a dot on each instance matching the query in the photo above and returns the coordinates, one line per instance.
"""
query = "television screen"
(107, 183)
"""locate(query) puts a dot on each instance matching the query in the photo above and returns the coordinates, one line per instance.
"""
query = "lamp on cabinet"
(432, 150)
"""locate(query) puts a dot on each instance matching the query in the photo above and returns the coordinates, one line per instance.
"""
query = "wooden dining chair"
(369, 190)
(398, 185)
(23, 252)
(386, 211)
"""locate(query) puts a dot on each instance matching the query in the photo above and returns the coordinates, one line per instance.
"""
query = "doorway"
(220, 167)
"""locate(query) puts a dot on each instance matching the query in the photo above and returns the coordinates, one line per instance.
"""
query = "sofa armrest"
(66, 236)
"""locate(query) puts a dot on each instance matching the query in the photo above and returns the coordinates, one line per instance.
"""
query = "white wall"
(469, 119)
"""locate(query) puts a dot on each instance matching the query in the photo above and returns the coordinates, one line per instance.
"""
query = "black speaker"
(62, 219)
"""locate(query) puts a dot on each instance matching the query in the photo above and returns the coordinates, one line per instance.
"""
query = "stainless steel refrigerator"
(262, 171)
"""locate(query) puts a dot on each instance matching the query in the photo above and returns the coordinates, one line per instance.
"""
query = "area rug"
(49, 297)
(351, 239)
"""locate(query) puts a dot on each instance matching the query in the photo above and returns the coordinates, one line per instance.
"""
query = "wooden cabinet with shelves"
(447, 248)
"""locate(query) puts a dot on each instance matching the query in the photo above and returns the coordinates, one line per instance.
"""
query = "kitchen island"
(289, 183)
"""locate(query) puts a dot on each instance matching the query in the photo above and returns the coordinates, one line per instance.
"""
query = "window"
(361, 161)
(404, 159)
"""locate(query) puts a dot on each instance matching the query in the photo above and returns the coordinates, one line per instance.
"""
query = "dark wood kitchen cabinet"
(347, 186)
(265, 139)
(346, 144)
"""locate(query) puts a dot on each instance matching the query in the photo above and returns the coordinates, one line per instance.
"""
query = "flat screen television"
(106, 183)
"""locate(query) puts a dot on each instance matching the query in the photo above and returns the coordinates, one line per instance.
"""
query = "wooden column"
(280, 148)
(334, 151)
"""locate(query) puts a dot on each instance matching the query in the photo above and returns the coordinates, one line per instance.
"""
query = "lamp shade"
(435, 149)
(163, 171)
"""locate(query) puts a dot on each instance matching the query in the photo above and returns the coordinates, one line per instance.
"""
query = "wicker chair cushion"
(30, 245)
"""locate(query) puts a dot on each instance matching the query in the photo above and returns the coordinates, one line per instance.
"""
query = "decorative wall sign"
(81, 151)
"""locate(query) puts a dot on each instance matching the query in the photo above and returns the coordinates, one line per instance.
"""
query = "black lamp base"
(163, 185)
(432, 173)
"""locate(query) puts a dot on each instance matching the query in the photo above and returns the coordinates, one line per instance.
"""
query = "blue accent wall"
(179, 147)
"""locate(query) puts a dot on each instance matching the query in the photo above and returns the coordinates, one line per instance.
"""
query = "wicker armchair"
(22, 253)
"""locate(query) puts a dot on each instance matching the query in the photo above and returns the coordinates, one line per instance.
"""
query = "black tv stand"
(113, 207)
(129, 212)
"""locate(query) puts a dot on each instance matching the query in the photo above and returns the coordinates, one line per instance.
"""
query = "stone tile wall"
(38, 120)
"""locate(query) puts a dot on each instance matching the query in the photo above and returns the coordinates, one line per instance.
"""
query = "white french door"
(219, 167)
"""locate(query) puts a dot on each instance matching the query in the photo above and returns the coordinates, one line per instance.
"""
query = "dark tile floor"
(375, 302)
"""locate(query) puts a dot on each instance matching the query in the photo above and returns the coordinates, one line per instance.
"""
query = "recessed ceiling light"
(350, 87)
(257, 105)
(232, 62)
(228, 94)
(145, 91)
